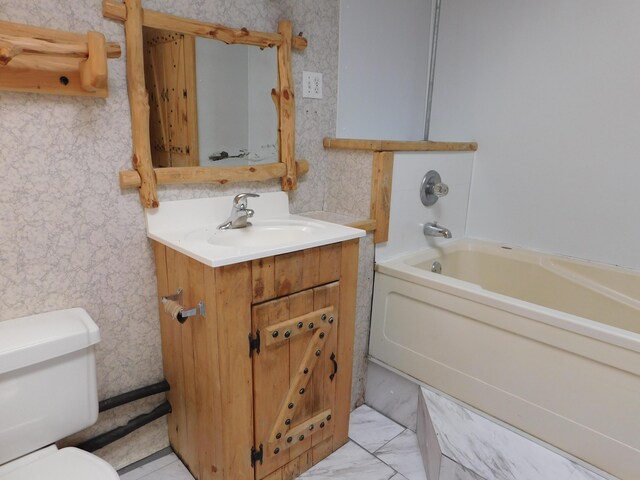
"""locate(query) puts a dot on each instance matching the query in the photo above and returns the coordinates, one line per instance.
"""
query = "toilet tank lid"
(30, 340)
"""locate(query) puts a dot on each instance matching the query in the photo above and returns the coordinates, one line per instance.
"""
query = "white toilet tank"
(47, 379)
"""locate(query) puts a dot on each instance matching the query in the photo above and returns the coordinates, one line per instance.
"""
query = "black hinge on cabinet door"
(256, 456)
(254, 343)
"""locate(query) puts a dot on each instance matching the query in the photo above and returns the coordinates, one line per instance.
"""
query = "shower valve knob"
(439, 189)
(432, 188)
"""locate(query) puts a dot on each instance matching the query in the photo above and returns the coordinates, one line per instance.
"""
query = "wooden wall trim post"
(398, 145)
(287, 110)
(139, 103)
(381, 179)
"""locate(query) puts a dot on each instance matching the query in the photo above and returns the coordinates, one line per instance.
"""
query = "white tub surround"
(565, 370)
(548, 90)
(408, 215)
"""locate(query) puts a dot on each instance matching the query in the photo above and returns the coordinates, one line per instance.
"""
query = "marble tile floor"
(168, 467)
(379, 449)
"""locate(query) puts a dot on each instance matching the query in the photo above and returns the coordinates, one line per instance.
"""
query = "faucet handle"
(432, 188)
(241, 199)
(439, 189)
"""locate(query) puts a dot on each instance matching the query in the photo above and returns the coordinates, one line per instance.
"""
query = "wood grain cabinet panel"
(260, 386)
(293, 272)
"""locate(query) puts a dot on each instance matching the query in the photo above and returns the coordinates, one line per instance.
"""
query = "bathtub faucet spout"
(434, 230)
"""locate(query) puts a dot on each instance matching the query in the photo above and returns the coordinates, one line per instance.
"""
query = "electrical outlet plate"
(311, 85)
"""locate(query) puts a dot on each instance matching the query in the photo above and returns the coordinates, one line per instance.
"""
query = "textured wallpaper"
(348, 188)
(348, 193)
(70, 237)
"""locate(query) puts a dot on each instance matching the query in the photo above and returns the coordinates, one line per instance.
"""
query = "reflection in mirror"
(237, 120)
(210, 103)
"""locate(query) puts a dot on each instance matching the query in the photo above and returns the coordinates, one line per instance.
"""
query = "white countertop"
(190, 227)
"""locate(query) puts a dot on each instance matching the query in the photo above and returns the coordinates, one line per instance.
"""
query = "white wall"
(551, 92)
(235, 109)
(384, 52)
(222, 78)
(263, 119)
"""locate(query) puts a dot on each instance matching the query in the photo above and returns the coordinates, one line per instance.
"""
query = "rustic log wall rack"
(42, 60)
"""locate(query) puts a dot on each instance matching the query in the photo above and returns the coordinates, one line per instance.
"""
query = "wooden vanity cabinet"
(244, 408)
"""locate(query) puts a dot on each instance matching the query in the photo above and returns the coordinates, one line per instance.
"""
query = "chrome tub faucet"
(240, 214)
(434, 230)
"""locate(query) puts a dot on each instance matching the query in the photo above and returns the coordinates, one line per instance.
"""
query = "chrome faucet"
(239, 212)
(434, 230)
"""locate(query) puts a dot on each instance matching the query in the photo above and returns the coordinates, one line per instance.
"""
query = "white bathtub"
(547, 344)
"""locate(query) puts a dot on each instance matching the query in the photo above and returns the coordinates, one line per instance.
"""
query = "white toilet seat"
(53, 464)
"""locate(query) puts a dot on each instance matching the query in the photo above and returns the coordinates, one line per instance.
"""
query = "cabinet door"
(293, 375)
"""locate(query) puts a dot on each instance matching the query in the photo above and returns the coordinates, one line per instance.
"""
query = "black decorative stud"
(287, 334)
(323, 317)
(301, 391)
(290, 405)
(318, 353)
(300, 324)
(322, 335)
(274, 334)
(276, 451)
(330, 319)
(287, 421)
(311, 427)
(289, 439)
(278, 435)
(321, 424)
(328, 417)
(305, 371)
(301, 437)
(310, 324)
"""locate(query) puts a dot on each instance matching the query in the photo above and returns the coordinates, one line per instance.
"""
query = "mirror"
(210, 103)
(163, 91)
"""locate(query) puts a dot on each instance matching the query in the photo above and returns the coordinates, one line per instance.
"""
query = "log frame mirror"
(145, 177)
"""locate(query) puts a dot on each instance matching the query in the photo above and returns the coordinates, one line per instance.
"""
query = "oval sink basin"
(260, 234)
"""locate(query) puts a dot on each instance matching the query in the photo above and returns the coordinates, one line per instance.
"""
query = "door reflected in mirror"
(210, 103)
